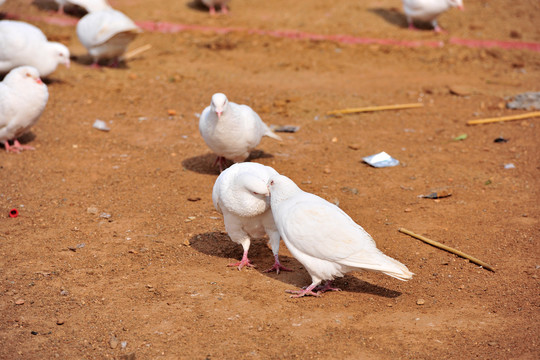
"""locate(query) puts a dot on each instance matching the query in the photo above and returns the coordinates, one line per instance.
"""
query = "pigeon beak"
(219, 114)
(38, 80)
(461, 7)
(67, 63)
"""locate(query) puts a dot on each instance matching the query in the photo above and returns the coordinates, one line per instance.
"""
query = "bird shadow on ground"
(220, 245)
(51, 5)
(392, 16)
(397, 18)
(87, 61)
(204, 164)
(197, 5)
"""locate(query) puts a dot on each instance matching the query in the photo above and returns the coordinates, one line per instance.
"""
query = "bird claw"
(241, 264)
(277, 267)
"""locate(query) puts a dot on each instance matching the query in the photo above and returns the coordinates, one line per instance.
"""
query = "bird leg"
(326, 287)
(436, 27)
(16, 147)
(212, 10)
(277, 266)
(221, 161)
(224, 9)
(305, 291)
(244, 262)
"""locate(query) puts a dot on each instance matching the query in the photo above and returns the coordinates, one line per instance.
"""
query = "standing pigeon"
(211, 4)
(428, 10)
(231, 130)
(88, 5)
(241, 195)
(24, 44)
(324, 238)
(106, 34)
(23, 97)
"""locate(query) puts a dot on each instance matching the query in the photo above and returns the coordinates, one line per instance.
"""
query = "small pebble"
(92, 210)
(59, 322)
(113, 342)
(408, 210)
(327, 170)
(354, 146)
(420, 302)
(19, 302)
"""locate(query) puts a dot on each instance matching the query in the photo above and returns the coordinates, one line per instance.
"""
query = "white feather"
(24, 44)
(428, 10)
(240, 194)
(323, 237)
(22, 100)
(106, 34)
(236, 133)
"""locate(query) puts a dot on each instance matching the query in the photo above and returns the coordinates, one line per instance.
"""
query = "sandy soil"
(151, 281)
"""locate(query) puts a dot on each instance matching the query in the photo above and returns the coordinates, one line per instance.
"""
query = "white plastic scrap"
(381, 159)
(100, 125)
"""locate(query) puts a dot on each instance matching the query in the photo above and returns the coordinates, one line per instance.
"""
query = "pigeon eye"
(28, 75)
(272, 182)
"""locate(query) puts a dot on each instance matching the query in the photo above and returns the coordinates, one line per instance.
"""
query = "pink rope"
(166, 27)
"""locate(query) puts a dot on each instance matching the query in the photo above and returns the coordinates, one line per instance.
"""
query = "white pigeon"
(24, 44)
(211, 4)
(106, 34)
(88, 5)
(324, 238)
(23, 97)
(231, 130)
(2, 2)
(241, 194)
(428, 10)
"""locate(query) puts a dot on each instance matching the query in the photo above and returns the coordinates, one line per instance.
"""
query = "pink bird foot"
(304, 292)
(17, 147)
(224, 9)
(244, 262)
(326, 287)
(212, 11)
(277, 266)
(412, 27)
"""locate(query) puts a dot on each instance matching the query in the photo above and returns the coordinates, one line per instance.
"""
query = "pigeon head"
(23, 74)
(456, 3)
(253, 184)
(61, 53)
(281, 188)
(219, 104)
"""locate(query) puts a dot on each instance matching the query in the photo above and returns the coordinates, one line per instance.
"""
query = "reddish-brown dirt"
(151, 281)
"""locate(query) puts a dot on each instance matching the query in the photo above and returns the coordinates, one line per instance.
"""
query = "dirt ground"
(152, 282)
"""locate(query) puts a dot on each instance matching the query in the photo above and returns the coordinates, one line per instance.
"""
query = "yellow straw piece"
(504, 118)
(447, 248)
(136, 51)
(374, 108)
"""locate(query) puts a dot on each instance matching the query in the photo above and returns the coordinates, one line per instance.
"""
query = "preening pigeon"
(106, 34)
(88, 5)
(241, 194)
(24, 44)
(428, 10)
(211, 4)
(231, 130)
(23, 97)
(324, 238)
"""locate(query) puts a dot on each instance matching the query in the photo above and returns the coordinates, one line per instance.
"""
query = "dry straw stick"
(374, 108)
(504, 118)
(447, 248)
(136, 51)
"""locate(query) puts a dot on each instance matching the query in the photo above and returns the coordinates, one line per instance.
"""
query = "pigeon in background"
(106, 34)
(231, 130)
(2, 2)
(428, 10)
(241, 194)
(24, 44)
(23, 97)
(324, 238)
(211, 4)
(88, 5)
